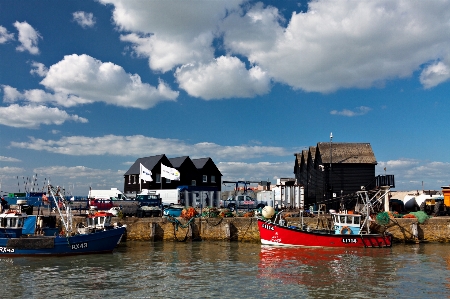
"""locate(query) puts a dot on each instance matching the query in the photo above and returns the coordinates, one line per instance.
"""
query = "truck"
(113, 194)
(266, 197)
(150, 205)
(432, 205)
(241, 201)
(168, 196)
(438, 205)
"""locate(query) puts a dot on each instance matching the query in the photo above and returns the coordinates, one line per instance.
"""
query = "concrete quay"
(243, 229)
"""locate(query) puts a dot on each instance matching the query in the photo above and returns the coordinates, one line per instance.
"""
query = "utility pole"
(331, 162)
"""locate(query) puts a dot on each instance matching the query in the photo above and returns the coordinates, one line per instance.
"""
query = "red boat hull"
(274, 234)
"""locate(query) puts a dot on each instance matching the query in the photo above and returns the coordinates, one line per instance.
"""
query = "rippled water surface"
(233, 270)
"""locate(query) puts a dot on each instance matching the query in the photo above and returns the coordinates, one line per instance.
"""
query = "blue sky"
(87, 87)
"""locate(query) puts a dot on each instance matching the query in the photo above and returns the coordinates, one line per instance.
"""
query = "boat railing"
(279, 219)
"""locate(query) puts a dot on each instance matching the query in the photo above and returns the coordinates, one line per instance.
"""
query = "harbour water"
(233, 270)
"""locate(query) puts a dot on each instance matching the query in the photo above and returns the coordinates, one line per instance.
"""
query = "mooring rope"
(176, 223)
(212, 225)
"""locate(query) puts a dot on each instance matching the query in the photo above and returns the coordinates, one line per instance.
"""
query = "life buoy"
(346, 229)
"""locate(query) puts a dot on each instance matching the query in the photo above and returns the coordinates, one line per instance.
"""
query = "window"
(134, 179)
(213, 179)
(193, 183)
(168, 181)
(205, 178)
(158, 178)
(349, 220)
(129, 179)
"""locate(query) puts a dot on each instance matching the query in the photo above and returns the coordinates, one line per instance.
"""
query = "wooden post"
(415, 232)
(386, 190)
(227, 231)
(152, 231)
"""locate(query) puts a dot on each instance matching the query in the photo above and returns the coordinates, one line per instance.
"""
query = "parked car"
(241, 201)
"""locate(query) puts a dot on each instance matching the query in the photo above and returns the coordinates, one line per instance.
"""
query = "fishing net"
(382, 218)
(188, 213)
(421, 216)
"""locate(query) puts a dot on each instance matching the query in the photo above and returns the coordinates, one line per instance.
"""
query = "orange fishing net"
(188, 213)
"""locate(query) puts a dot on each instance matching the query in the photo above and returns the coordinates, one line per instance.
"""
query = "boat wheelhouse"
(346, 223)
(12, 221)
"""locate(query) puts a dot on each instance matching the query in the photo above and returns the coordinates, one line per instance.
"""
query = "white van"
(113, 194)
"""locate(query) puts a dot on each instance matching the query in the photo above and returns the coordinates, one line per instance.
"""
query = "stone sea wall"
(436, 229)
(244, 229)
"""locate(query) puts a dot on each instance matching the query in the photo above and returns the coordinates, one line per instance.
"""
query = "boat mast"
(67, 220)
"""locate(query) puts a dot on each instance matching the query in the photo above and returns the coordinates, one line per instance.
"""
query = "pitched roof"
(305, 156)
(200, 163)
(177, 162)
(342, 152)
(148, 162)
(312, 150)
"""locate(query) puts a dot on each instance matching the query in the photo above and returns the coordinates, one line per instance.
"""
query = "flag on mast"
(145, 174)
(169, 173)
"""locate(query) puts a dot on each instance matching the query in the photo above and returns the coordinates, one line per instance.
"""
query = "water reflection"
(234, 270)
(335, 272)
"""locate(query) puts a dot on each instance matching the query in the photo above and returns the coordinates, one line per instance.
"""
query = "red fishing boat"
(349, 230)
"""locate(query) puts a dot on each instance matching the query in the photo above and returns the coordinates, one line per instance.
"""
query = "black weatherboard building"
(330, 170)
(195, 174)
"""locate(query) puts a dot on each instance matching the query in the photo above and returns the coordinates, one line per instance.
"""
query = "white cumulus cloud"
(138, 145)
(225, 77)
(84, 19)
(32, 116)
(91, 80)
(344, 44)
(5, 36)
(435, 74)
(39, 96)
(329, 46)
(28, 38)
(413, 173)
(171, 33)
(39, 69)
(165, 53)
(9, 159)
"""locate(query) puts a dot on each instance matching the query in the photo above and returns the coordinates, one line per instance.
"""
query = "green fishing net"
(382, 218)
(421, 216)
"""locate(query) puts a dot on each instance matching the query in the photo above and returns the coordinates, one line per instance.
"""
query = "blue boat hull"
(98, 242)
